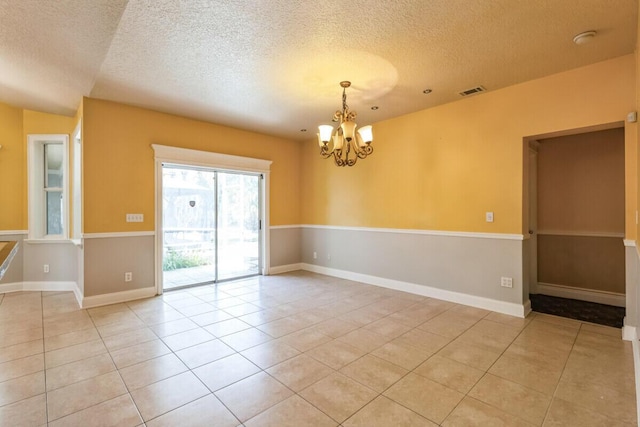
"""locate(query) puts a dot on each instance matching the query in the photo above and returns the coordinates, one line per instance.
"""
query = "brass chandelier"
(345, 145)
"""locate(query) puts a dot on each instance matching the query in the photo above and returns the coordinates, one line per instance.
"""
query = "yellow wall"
(12, 170)
(118, 164)
(444, 167)
(15, 125)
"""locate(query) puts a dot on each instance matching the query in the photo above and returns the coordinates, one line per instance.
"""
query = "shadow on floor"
(601, 314)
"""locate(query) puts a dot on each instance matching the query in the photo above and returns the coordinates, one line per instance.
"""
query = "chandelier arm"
(324, 152)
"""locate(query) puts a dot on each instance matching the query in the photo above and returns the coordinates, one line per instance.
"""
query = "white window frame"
(37, 194)
(76, 137)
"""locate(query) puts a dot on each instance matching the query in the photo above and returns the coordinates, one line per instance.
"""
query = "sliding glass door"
(210, 225)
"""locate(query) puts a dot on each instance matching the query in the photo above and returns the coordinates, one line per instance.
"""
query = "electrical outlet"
(46, 268)
(489, 216)
(315, 255)
(506, 282)
(329, 257)
(128, 276)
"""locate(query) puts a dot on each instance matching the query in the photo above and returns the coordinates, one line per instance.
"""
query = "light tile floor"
(304, 350)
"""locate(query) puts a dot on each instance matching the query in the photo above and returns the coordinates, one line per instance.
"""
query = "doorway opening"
(576, 222)
(211, 217)
(211, 225)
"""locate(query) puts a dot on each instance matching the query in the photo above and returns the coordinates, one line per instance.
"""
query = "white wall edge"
(600, 297)
(636, 368)
(279, 269)
(512, 309)
(118, 234)
(12, 232)
(43, 287)
(629, 243)
(283, 227)
(475, 235)
(118, 297)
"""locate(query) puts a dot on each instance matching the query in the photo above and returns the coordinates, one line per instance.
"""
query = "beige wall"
(581, 183)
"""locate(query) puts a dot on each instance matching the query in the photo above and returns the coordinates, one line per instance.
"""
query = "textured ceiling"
(274, 66)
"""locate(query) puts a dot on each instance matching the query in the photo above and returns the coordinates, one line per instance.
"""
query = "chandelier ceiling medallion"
(345, 145)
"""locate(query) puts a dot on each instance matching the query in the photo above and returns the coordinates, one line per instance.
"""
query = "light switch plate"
(135, 217)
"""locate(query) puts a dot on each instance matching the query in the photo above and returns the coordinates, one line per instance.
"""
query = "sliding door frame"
(210, 160)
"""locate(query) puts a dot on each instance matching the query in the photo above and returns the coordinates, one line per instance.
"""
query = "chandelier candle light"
(347, 145)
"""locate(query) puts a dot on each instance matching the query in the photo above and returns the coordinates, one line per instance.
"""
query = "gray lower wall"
(61, 258)
(285, 246)
(468, 265)
(14, 273)
(632, 297)
(107, 259)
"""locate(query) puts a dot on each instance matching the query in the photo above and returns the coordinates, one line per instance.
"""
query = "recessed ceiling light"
(375, 107)
(427, 91)
(584, 37)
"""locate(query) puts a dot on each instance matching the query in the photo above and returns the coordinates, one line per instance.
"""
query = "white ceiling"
(274, 66)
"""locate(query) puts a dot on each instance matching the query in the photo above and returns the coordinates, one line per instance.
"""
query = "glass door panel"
(238, 225)
(189, 219)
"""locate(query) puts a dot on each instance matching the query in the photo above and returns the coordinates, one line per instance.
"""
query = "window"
(48, 186)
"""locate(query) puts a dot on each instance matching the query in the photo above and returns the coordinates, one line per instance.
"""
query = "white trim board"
(512, 309)
(600, 297)
(118, 297)
(469, 234)
(118, 234)
(43, 287)
(13, 232)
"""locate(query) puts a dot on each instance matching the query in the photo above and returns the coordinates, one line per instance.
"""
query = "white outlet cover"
(489, 216)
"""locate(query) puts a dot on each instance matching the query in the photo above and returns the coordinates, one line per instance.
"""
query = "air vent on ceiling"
(472, 91)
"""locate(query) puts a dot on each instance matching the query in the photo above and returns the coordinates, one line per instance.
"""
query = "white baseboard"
(527, 307)
(512, 309)
(117, 297)
(629, 333)
(600, 297)
(279, 269)
(10, 287)
(43, 287)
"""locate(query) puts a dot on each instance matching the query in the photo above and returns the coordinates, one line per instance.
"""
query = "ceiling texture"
(274, 66)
